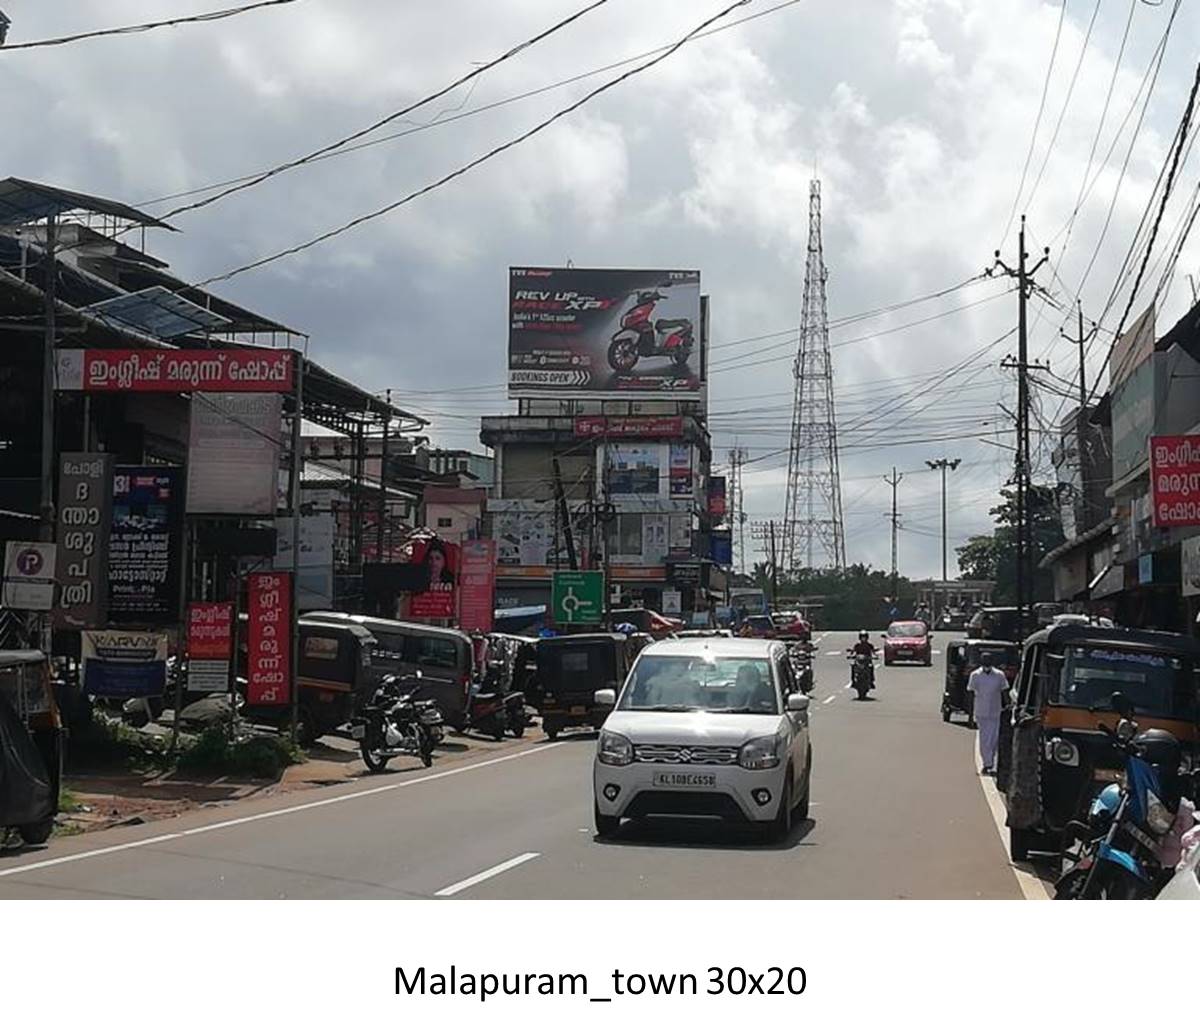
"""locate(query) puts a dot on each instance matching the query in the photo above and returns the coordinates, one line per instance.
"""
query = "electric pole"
(895, 517)
(943, 464)
(737, 515)
(49, 288)
(766, 533)
(1025, 287)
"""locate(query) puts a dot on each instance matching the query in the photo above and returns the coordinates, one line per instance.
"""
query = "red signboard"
(269, 652)
(1175, 480)
(440, 562)
(716, 497)
(209, 630)
(244, 370)
(477, 582)
(629, 426)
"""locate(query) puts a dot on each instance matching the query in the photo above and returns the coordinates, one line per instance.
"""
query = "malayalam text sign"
(269, 651)
(210, 645)
(85, 484)
(1175, 480)
(628, 425)
(175, 371)
(144, 545)
(477, 586)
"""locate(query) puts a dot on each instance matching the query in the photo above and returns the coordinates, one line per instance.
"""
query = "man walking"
(989, 686)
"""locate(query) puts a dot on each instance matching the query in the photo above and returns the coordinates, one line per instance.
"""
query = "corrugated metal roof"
(158, 311)
(22, 201)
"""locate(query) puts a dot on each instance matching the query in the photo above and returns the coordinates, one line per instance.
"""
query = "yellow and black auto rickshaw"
(570, 669)
(31, 746)
(1054, 758)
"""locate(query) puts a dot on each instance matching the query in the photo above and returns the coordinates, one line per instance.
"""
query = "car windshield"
(1156, 684)
(684, 683)
(906, 629)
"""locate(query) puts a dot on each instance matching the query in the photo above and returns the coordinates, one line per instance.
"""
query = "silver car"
(705, 727)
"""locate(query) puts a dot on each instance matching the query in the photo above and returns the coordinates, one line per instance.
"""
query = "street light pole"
(943, 464)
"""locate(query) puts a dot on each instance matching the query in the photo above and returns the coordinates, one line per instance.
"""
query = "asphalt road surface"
(899, 811)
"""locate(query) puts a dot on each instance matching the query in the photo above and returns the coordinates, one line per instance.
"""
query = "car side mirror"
(928, 636)
(797, 703)
(605, 698)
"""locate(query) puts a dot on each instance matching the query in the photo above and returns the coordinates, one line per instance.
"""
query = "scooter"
(800, 656)
(862, 674)
(1118, 857)
(639, 337)
(396, 723)
(495, 711)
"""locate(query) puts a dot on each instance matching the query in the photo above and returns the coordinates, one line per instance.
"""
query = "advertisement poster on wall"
(527, 537)
(268, 642)
(123, 663)
(440, 563)
(1189, 553)
(634, 469)
(681, 470)
(144, 560)
(85, 485)
(604, 331)
(233, 453)
(655, 538)
(477, 586)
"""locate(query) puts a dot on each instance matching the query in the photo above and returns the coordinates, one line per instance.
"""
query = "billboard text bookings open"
(604, 331)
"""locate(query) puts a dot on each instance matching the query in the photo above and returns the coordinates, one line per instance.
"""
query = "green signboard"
(577, 598)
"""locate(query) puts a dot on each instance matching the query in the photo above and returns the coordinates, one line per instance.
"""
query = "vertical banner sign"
(478, 586)
(439, 561)
(1175, 480)
(716, 497)
(84, 514)
(681, 470)
(144, 549)
(210, 645)
(269, 651)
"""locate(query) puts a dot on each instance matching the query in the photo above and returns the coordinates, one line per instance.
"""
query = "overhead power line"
(128, 30)
(463, 169)
(388, 119)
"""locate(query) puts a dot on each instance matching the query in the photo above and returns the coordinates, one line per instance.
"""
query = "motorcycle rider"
(865, 647)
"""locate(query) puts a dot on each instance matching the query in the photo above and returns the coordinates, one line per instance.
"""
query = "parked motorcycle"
(397, 722)
(1122, 841)
(495, 711)
(862, 674)
(640, 337)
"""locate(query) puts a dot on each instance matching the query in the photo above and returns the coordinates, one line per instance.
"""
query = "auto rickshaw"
(31, 746)
(1054, 758)
(963, 657)
(571, 669)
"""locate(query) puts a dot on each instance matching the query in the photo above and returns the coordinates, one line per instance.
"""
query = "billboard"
(606, 426)
(145, 558)
(603, 332)
(85, 484)
(245, 370)
(1175, 480)
(440, 565)
(233, 453)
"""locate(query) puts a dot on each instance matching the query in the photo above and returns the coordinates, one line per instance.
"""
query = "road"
(898, 811)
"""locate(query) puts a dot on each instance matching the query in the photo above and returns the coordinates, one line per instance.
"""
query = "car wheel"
(1018, 844)
(781, 826)
(606, 825)
(887, 661)
(945, 715)
(37, 833)
(802, 808)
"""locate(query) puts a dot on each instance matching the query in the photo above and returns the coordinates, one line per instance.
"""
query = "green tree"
(997, 554)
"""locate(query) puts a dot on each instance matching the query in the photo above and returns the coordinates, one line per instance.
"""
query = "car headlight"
(760, 753)
(614, 749)
(1062, 751)
(1158, 816)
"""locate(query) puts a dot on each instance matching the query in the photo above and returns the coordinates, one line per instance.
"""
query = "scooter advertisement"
(604, 332)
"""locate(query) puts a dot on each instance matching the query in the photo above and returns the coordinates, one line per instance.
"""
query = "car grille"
(681, 754)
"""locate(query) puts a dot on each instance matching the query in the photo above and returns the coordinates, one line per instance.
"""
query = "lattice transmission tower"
(813, 530)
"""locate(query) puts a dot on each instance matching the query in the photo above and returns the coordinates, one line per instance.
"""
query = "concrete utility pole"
(49, 290)
(381, 507)
(1025, 286)
(943, 464)
(894, 482)
(737, 507)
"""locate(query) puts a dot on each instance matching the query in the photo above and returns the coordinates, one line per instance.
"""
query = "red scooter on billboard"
(641, 337)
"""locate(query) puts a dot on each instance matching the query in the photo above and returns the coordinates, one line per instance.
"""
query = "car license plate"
(578, 710)
(684, 779)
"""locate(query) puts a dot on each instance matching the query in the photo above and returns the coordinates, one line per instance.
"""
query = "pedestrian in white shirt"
(989, 685)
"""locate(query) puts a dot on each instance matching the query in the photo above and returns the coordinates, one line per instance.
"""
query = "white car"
(705, 727)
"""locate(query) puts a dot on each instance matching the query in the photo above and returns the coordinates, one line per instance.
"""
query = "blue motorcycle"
(1118, 855)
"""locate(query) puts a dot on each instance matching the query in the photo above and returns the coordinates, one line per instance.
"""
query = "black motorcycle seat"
(666, 324)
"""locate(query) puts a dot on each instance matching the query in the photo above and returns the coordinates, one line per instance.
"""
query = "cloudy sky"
(917, 116)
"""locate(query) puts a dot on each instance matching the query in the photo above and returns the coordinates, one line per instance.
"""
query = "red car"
(907, 642)
(791, 626)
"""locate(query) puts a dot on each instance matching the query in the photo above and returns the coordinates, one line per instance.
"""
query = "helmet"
(863, 634)
(1162, 750)
(628, 628)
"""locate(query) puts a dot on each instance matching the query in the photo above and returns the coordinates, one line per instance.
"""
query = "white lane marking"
(1032, 887)
(487, 874)
(936, 652)
(820, 638)
(831, 654)
(831, 697)
(80, 856)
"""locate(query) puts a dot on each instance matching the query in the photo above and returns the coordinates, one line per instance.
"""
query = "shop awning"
(1099, 530)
